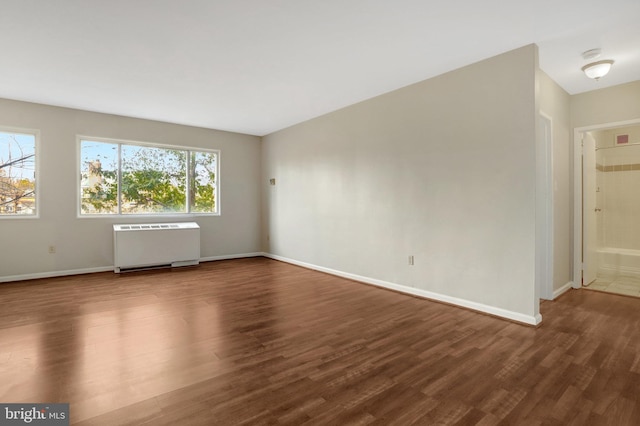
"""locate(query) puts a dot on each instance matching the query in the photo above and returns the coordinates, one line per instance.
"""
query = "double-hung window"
(118, 177)
(18, 173)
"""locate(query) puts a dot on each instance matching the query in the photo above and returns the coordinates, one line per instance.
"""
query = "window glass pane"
(124, 178)
(17, 174)
(99, 177)
(203, 183)
(153, 180)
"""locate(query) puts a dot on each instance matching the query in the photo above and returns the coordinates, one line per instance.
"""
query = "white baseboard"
(231, 256)
(491, 310)
(53, 274)
(560, 291)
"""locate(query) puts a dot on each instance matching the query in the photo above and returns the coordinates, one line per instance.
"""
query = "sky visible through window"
(106, 153)
(14, 146)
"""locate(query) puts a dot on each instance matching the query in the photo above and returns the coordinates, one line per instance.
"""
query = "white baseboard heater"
(141, 246)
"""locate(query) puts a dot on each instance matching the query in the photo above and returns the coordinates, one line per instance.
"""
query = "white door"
(589, 223)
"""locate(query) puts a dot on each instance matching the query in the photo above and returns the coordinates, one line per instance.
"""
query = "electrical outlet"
(52, 249)
(411, 260)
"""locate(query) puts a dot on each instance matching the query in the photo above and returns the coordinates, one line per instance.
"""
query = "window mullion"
(119, 179)
(187, 182)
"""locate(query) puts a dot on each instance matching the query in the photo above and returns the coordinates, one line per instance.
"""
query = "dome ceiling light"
(596, 70)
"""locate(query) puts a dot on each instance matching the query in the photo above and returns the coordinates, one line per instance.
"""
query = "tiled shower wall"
(618, 186)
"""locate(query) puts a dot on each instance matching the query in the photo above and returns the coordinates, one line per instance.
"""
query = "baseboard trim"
(560, 291)
(231, 256)
(479, 307)
(54, 274)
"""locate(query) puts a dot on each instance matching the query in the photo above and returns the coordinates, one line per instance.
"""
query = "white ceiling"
(256, 66)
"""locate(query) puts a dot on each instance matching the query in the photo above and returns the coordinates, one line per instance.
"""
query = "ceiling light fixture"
(599, 69)
(591, 54)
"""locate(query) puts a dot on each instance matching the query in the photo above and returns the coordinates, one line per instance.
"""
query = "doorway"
(607, 208)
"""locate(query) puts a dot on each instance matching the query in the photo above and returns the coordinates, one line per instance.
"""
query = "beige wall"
(443, 170)
(556, 103)
(84, 244)
(610, 105)
(607, 138)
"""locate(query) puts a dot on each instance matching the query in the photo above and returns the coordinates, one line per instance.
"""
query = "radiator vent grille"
(140, 246)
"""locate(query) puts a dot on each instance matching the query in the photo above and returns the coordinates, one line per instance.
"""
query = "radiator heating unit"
(141, 246)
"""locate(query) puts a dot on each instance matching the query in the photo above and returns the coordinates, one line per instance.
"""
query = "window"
(17, 173)
(126, 178)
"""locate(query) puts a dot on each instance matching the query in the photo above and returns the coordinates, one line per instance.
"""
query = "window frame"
(119, 214)
(36, 150)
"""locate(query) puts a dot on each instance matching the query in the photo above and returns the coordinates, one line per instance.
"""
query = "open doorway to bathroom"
(610, 207)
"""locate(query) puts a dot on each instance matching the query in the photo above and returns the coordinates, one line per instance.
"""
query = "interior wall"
(609, 105)
(84, 244)
(555, 102)
(443, 170)
(607, 137)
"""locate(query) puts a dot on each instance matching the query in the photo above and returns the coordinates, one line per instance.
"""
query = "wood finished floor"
(256, 341)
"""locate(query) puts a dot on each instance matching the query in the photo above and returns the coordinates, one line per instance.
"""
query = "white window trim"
(36, 134)
(80, 215)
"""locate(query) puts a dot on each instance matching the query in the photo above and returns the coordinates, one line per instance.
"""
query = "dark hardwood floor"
(256, 341)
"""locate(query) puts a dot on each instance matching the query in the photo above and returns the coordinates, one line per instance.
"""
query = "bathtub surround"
(617, 196)
(618, 168)
(618, 210)
(614, 262)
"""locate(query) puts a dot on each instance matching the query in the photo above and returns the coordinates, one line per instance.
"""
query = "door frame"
(577, 191)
